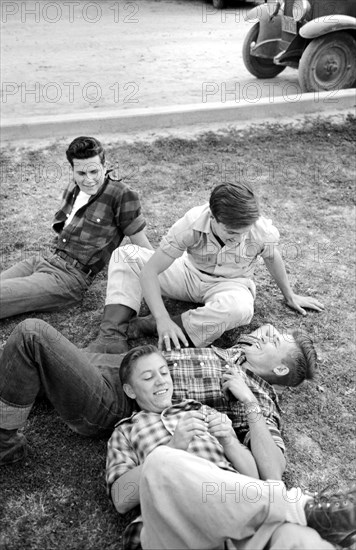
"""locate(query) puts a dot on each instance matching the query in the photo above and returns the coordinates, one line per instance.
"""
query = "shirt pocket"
(97, 230)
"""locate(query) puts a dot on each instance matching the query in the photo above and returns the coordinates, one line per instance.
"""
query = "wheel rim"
(331, 65)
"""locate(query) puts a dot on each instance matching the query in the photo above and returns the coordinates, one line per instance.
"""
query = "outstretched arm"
(269, 458)
(166, 328)
(275, 266)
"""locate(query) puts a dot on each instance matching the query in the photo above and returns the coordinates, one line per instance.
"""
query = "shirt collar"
(202, 223)
(175, 407)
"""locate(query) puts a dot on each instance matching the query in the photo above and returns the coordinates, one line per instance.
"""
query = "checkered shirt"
(99, 226)
(136, 437)
(196, 376)
(197, 373)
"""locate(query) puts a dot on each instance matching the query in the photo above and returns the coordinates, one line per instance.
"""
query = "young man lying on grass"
(200, 488)
(86, 391)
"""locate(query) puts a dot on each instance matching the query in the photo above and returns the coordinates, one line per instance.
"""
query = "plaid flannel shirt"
(136, 437)
(99, 226)
(196, 375)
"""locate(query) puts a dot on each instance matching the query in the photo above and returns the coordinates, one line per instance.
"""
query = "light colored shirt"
(193, 234)
(80, 201)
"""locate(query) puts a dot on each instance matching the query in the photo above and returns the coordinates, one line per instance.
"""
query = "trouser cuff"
(13, 417)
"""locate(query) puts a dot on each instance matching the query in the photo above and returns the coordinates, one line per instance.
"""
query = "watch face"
(253, 411)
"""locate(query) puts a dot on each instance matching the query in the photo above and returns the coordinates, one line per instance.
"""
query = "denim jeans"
(40, 284)
(84, 388)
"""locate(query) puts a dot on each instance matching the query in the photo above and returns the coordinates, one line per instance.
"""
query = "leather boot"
(112, 336)
(13, 446)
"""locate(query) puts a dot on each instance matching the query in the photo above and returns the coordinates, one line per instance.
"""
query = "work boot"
(334, 516)
(13, 447)
(112, 336)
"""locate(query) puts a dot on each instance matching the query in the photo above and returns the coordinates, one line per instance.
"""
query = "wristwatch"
(253, 410)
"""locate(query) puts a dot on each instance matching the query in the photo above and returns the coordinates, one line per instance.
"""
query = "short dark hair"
(130, 359)
(84, 147)
(301, 362)
(234, 205)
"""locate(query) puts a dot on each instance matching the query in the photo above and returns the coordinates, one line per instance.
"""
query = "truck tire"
(328, 63)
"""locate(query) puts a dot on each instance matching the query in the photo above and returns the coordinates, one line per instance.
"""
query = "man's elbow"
(121, 503)
(122, 507)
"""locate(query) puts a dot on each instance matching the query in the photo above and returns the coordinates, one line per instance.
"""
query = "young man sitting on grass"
(96, 213)
(197, 485)
(86, 391)
(207, 257)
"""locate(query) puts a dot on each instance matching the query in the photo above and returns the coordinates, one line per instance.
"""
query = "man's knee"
(160, 464)
(30, 328)
(240, 310)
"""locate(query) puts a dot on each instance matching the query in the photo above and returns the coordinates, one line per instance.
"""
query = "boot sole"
(349, 541)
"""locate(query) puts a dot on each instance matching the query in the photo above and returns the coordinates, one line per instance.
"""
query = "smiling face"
(227, 234)
(89, 174)
(150, 383)
(269, 352)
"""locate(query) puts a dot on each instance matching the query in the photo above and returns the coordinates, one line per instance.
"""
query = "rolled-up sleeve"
(129, 216)
(179, 238)
(275, 433)
(267, 235)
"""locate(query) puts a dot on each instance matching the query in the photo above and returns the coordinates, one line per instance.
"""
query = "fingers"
(315, 304)
(173, 335)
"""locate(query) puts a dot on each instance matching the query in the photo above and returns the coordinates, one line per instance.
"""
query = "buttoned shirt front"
(134, 438)
(193, 234)
(197, 374)
(99, 226)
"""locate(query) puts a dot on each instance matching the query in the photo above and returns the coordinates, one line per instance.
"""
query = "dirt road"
(66, 57)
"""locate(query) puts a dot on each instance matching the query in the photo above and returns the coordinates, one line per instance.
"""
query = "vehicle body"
(317, 37)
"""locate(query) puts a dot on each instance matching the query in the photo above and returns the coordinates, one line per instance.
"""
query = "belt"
(75, 263)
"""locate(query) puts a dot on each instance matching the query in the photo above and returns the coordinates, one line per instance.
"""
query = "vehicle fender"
(326, 24)
(270, 27)
(263, 12)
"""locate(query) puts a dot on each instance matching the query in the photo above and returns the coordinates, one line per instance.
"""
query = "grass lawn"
(305, 179)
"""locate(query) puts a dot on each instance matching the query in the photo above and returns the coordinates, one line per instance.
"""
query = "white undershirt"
(80, 201)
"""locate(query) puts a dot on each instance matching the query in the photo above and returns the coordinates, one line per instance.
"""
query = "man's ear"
(129, 391)
(281, 370)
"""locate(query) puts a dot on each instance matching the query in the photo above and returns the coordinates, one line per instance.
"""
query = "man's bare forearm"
(269, 458)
